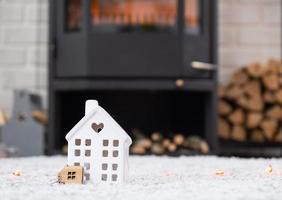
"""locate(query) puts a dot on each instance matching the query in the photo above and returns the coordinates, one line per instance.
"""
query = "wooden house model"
(71, 174)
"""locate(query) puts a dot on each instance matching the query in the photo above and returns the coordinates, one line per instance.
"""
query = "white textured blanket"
(151, 177)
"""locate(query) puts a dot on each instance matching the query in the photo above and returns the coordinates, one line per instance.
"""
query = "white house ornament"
(99, 145)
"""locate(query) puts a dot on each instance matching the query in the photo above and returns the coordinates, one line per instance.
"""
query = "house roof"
(87, 117)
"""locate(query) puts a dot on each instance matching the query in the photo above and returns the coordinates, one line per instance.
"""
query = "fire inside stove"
(134, 15)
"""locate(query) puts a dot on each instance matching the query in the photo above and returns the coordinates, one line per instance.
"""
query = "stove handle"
(203, 66)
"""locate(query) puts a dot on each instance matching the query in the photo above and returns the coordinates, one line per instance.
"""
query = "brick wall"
(249, 30)
(23, 47)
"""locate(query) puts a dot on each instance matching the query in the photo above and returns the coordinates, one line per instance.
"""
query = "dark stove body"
(145, 79)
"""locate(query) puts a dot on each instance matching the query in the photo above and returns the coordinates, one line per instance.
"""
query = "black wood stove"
(150, 64)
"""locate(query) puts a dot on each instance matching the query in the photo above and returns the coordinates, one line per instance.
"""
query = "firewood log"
(234, 92)
(252, 88)
(156, 137)
(144, 142)
(137, 149)
(272, 66)
(221, 91)
(223, 129)
(243, 102)
(271, 81)
(278, 137)
(239, 77)
(280, 69)
(197, 144)
(166, 142)
(237, 117)
(278, 96)
(157, 149)
(280, 79)
(275, 112)
(255, 70)
(172, 147)
(141, 140)
(269, 127)
(253, 119)
(255, 104)
(269, 97)
(238, 133)
(178, 139)
(224, 108)
(204, 147)
(251, 103)
(257, 136)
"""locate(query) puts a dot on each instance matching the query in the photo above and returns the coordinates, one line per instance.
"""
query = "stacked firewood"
(250, 105)
(158, 144)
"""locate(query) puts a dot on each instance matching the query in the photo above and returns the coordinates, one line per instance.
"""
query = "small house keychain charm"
(99, 145)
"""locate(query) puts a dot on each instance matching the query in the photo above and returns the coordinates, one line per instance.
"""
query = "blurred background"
(183, 77)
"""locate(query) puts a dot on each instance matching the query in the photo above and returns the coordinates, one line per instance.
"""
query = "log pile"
(158, 144)
(250, 105)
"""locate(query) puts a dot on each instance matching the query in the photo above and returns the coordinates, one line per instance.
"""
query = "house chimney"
(90, 105)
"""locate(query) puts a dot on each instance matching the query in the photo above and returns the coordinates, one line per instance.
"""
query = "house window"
(137, 15)
(104, 177)
(76, 164)
(87, 153)
(115, 143)
(105, 143)
(77, 142)
(104, 166)
(71, 175)
(105, 153)
(114, 166)
(87, 166)
(87, 142)
(114, 177)
(115, 153)
(77, 152)
(87, 176)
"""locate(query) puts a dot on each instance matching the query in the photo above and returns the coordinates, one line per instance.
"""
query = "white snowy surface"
(151, 178)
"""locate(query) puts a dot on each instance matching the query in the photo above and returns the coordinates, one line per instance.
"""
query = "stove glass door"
(134, 15)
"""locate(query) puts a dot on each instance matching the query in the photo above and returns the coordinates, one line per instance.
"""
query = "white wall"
(249, 30)
(23, 47)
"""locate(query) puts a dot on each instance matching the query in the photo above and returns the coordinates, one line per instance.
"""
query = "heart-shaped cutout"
(97, 127)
